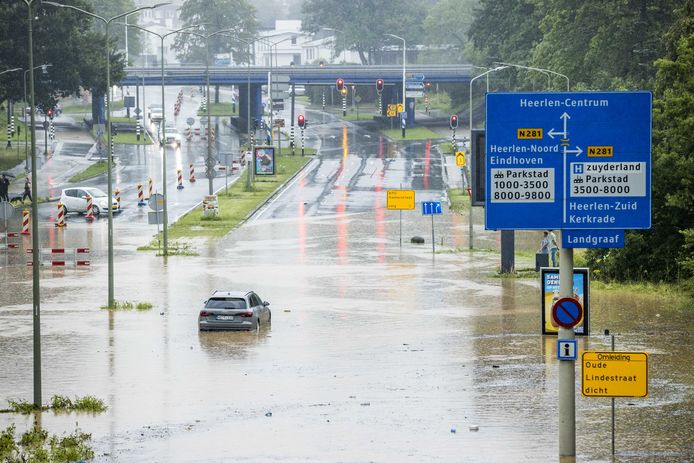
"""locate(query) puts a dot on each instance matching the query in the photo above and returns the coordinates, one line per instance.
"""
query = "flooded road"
(376, 352)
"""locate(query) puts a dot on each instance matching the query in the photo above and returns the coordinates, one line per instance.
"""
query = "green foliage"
(664, 253)
(37, 446)
(215, 15)
(21, 406)
(447, 24)
(363, 23)
(63, 38)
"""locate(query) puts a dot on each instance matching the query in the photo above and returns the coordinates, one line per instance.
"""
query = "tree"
(110, 8)
(447, 26)
(62, 38)
(215, 15)
(664, 253)
(364, 23)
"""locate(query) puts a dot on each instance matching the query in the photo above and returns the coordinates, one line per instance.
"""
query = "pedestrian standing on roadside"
(553, 247)
(544, 244)
(4, 188)
(27, 190)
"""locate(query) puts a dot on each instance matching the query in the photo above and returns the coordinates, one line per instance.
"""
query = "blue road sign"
(566, 349)
(431, 208)
(568, 160)
(592, 238)
(567, 312)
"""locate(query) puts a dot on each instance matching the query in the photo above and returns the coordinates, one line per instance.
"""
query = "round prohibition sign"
(567, 312)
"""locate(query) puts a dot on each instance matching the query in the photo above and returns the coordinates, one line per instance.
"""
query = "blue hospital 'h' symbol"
(578, 168)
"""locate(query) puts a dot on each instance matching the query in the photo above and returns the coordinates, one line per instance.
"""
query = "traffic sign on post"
(400, 199)
(431, 208)
(568, 160)
(567, 312)
(614, 374)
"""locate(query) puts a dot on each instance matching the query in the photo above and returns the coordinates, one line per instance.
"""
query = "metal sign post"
(432, 208)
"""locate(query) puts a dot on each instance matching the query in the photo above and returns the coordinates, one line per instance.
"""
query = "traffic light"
(379, 85)
(114, 130)
(301, 120)
(50, 114)
(454, 121)
(340, 84)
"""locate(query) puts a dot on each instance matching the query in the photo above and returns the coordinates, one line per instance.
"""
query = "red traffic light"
(379, 85)
(340, 84)
(301, 120)
(454, 121)
(50, 113)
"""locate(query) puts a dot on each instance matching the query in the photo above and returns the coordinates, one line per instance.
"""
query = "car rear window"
(226, 303)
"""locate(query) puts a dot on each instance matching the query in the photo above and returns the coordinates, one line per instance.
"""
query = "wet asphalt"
(379, 350)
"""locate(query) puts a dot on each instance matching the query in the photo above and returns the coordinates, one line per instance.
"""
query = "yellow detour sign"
(614, 374)
(400, 199)
(460, 158)
(392, 108)
(400, 108)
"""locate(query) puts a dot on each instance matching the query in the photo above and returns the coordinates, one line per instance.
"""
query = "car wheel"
(95, 209)
(257, 325)
(64, 209)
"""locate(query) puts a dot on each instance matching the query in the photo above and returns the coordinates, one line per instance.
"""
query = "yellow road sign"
(390, 113)
(400, 199)
(400, 108)
(614, 374)
(460, 158)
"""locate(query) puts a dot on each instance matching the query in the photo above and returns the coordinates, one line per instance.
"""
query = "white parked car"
(75, 200)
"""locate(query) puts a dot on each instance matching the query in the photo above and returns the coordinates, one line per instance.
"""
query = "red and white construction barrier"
(197, 131)
(191, 178)
(60, 223)
(117, 194)
(140, 195)
(90, 208)
(179, 176)
(62, 257)
(26, 222)
(5, 240)
(150, 187)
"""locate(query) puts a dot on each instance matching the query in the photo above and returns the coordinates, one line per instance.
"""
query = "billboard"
(549, 294)
(264, 160)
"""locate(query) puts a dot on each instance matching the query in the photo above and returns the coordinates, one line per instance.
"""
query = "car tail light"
(246, 314)
(205, 313)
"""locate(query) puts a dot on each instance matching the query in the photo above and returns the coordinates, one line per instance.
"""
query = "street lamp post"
(470, 161)
(107, 23)
(404, 58)
(163, 125)
(26, 141)
(542, 70)
(36, 294)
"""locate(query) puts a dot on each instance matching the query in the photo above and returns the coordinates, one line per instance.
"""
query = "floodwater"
(377, 352)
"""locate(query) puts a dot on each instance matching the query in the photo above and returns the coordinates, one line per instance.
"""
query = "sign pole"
(433, 242)
(400, 227)
(613, 411)
(567, 371)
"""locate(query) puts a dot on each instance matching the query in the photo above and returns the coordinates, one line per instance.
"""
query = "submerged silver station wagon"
(234, 310)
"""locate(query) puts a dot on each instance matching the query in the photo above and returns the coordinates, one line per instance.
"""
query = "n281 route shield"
(568, 160)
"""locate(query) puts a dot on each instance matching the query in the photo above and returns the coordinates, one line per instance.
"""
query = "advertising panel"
(549, 280)
(264, 160)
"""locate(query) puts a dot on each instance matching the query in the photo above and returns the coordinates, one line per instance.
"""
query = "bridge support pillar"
(409, 102)
(256, 104)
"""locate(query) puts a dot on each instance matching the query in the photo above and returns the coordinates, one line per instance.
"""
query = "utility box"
(210, 205)
(541, 260)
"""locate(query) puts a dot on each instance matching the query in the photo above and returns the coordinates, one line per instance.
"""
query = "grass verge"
(234, 205)
(94, 170)
(59, 403)
(127, 305)
(460, 200)
(417, 133)
(221, 109)
(176, 248)
(360, 116)
(11, 157)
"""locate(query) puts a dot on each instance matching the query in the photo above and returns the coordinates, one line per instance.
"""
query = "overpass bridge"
(258, 76)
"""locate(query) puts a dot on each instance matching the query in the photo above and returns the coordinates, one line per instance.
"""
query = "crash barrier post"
(90, 208)
(191, 178)
(62, 257)
(5, 240)
(179, 176)
(26, 230)
(60, 223)
(140, 195)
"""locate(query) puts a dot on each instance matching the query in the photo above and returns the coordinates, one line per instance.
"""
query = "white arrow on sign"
(578, 151)
(552, 133)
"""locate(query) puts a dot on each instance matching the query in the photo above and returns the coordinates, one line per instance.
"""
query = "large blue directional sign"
(568, 160)
(431, 208)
